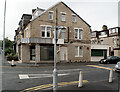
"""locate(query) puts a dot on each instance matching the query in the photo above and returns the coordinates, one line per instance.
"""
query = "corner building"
(34, 40)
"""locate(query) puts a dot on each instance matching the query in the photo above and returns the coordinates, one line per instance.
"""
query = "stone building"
(105, 43)
(34, 41)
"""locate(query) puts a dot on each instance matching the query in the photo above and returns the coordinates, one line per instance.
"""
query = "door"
(63, 53)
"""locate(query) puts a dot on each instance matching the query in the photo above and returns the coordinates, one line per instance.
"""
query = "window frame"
(46, 26)
(63, 16)
(63, 31)
(78, 33)
(51, 14)
(74, 18)
(42, 31)
(78, 51)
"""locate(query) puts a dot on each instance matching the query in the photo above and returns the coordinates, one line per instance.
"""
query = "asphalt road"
(21, 77)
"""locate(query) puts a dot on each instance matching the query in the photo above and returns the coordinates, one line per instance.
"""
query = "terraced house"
(34, 37)
(105, 43)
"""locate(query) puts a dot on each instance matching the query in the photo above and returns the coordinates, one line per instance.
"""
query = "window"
(113, 30)
(103, 33)
(26, 32)
(63, 17)
(46, 53)
(78, 33)
(50, 15)
(114, 41)
(78, 51)
(45, 31)
(98, 52)
(74, 18)
(48, 31)
(32, 53)
(63, 34)
(93, 34)
(101, 42)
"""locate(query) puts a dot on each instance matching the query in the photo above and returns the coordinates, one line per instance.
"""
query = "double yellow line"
(107, 68)
(50, 85)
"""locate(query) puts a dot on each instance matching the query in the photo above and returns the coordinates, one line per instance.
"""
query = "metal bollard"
(110, 75)
(80, 79)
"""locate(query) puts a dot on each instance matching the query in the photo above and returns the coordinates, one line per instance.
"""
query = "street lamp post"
(56, 33)
(55, 68)
(3, 58)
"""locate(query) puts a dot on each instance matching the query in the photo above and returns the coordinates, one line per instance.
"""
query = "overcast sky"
(95, 12)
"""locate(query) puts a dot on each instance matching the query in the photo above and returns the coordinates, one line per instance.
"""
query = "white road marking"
(31, 76)
(23, 76)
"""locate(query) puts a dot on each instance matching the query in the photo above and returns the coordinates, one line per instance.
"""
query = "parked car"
(117, 67)
(110, 60)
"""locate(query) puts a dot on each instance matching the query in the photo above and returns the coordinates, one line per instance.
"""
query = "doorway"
(63, 54)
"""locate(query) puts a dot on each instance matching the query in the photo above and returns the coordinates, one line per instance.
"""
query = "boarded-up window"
(46, 53)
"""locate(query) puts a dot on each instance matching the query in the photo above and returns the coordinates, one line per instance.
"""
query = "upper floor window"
(103, 33)
(26, 32)
(115, 30)
(48, 31)
(45, 31)
(93, 34)
(74, 18)
(78, 33)
(63, 16)
(51, 15)
(63, 34)
(115, 41)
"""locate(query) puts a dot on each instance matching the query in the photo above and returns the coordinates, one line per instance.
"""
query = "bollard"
(80, 79)
(13, 63)
(110, 75)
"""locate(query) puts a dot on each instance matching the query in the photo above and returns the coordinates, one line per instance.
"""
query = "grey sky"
(95, 12)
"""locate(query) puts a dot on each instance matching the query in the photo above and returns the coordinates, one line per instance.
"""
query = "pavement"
(20, 64)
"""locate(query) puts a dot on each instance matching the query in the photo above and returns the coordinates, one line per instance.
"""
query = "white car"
(117, 67)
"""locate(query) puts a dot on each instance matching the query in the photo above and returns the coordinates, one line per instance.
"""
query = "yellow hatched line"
(50, 85)
(107, 68)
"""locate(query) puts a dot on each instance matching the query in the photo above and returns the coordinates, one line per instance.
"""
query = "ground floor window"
(46, 53)
(78, 51)
(32, 53)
